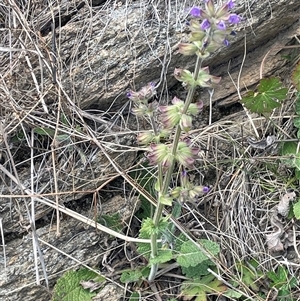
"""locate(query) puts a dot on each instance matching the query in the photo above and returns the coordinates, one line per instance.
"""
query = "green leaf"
(268, 96)
(297, 122)
(290, 149)
(68, 288)
(279, 278)
(296, 77)
(199, 270)
(44, 132)
(297, 106)
(296, 209)
(232, 294)
(163, 256)
(199, 288)
(134, 296)
(144, 177)
(149, 228)
(131, 276)
(249, 275)
(190, 255)
(111, 221)
(146, 230)
(135, 275)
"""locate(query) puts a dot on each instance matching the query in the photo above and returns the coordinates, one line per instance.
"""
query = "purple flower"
(234, 19)
(230, 4)
(196, 12)
(205, 189)
(221, 25)
(205, 24)
(226, 42)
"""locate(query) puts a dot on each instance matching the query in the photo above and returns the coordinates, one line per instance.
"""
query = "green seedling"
(283, 282)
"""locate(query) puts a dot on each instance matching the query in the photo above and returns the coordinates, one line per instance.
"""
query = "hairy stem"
(166, 181)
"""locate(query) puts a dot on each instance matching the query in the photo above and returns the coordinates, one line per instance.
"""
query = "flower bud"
(175, 193)
(165, 199)
(160, 154)
(141, 110)
(184, 76)
(145, 138)
(210, 8)
(185, 122)
(195, 108)
(230, 4)
(185, 154)
(221, 25)
(170, 116)
(187, 49)
(144, 94)
(205, 79)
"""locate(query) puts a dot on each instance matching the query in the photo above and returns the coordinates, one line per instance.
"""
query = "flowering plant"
(210, 29)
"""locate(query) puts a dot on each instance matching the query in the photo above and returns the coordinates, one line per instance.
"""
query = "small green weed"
(199, 288)
(269, 95)
(249, 274)
(283, 283)
(69, 286)
(290, 149)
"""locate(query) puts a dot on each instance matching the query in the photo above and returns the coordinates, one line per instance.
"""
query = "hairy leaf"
(190, 255)
(68, 287)
(162, 256)
(199, 270)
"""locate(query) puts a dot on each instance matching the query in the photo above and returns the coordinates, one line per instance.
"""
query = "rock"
(79, 88)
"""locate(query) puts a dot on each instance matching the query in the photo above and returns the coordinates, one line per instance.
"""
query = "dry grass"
(39, 168)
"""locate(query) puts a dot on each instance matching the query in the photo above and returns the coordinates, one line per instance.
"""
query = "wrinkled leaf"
(199, 270)
(68, 286)
(190, 255)
(131, 276)
(162, 256)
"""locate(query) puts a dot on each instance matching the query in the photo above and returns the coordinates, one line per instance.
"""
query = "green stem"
(166, 181)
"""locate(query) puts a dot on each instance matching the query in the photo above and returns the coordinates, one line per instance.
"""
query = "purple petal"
(196, 12)
(234, 19)
(226, 43)
(221, 25)
(230, 4)
(205, 24)
(205, 189)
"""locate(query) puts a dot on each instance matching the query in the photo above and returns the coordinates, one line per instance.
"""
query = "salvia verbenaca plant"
(210, 29)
